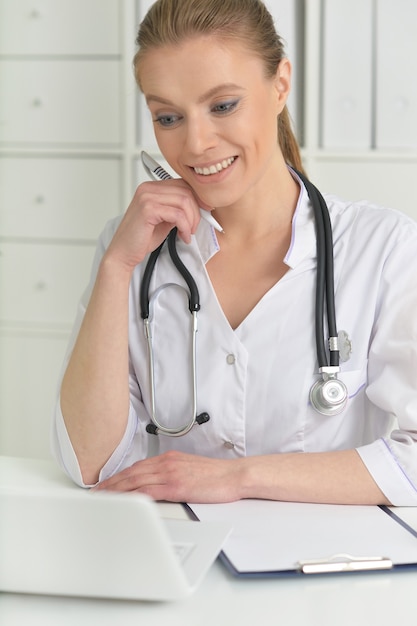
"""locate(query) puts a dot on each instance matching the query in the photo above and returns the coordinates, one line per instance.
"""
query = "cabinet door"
(363, 179)
(61, 198)
(60, 102)
(42, 284)
(29, 371)
(396, 86)
(145, 135)
(59, 27)
(346, 106)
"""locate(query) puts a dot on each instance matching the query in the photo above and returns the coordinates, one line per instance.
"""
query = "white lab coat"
(254, 381)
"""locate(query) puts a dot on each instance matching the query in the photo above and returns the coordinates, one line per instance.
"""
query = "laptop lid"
(69, 541)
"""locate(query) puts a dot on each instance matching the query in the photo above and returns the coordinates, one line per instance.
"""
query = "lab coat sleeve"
(60, 442)
(393, 373)
(67, 459)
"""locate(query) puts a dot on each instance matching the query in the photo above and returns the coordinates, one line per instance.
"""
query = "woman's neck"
(266, 208)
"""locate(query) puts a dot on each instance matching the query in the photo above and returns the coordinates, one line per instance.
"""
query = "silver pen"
(158, 173)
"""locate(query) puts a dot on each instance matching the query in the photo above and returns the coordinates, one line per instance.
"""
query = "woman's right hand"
(156, 208)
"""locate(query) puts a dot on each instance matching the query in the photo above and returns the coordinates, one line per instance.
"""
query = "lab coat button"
(229, 445)
(230, 359)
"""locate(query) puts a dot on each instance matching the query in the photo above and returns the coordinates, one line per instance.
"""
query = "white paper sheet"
(273, 536)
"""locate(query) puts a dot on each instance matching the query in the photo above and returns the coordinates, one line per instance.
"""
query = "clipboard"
(284, 539)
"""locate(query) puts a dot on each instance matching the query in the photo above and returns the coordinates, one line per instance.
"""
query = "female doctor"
(216, 82)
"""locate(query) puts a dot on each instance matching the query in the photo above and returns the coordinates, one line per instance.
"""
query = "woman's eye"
(167, 121)
(225, 107)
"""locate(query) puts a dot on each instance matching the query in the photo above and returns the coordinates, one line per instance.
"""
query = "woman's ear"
(283, 83)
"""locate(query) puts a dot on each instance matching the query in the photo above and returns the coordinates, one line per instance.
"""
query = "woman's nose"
(200, 136)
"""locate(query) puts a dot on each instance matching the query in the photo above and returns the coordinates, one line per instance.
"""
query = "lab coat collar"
(303, 237)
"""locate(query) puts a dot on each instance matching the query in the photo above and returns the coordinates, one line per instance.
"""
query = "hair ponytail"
(288, 143)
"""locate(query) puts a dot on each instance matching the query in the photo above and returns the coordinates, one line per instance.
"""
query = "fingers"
(169, 202)
(133, 480)
(144, 476)
(155, 209)
(178, 477)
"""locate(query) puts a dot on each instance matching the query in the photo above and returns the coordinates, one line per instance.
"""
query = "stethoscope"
(328, 395)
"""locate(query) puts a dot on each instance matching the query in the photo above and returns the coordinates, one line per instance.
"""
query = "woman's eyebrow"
(206, 96)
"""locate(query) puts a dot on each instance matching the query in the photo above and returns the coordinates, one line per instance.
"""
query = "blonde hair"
(169, 22)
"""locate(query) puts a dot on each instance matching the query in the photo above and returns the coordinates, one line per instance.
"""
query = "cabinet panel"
(396, 87)
(55, 101)
(63, 27)
(29, 371)
(145, 132)
(347, 74)
(362, 179)
(42, 283)
(63, 198)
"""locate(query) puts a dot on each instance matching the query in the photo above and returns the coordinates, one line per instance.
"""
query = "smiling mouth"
(216, 168)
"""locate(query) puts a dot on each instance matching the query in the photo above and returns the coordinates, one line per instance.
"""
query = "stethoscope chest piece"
(329, 395)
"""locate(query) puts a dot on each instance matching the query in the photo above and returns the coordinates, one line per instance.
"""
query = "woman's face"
(215, 116)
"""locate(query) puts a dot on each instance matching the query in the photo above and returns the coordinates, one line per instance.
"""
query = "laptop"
(58, 539)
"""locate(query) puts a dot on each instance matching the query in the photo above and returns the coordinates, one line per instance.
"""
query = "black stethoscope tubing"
(194, 299)
(325, 275)
(324, 285)
(329, 395)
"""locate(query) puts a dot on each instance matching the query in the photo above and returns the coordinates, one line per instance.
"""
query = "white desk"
(386, 599)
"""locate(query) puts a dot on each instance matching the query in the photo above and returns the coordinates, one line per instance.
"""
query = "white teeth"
(213, 169)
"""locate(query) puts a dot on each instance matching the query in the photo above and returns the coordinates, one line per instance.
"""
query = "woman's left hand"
(179, 477)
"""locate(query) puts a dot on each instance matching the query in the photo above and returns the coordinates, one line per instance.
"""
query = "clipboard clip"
(344, 563)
